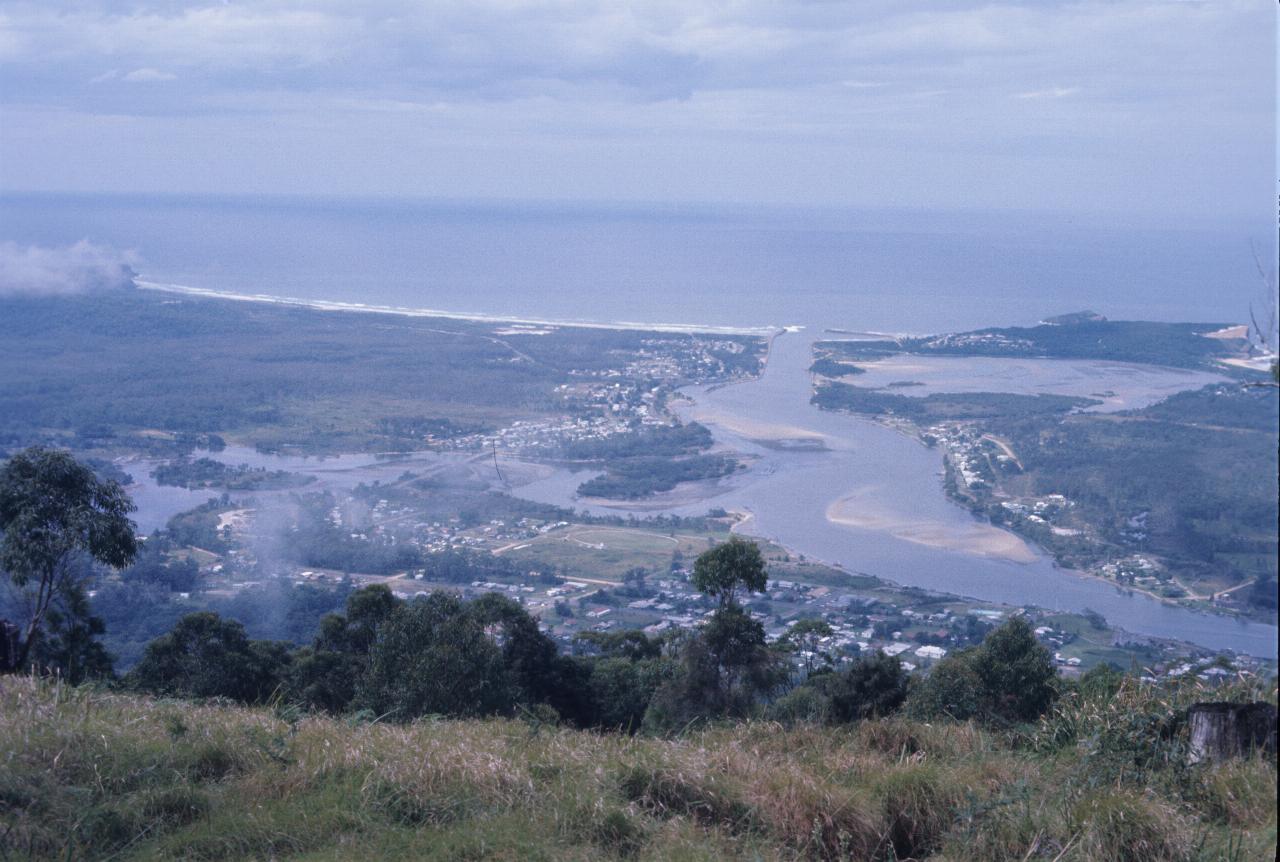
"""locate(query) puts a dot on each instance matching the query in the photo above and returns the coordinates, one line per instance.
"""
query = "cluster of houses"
(601, 403)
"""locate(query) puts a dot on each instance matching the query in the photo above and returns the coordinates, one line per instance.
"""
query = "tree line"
(401, 659)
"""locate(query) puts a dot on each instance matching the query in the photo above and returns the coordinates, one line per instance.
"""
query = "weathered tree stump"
(1221, 731)
(8, 646)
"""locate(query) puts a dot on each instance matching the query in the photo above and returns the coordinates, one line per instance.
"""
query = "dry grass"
(88, 774)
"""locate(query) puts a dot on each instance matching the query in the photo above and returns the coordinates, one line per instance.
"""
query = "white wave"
(334, 305)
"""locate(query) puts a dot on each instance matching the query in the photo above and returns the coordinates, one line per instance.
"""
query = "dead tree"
(1221, 731)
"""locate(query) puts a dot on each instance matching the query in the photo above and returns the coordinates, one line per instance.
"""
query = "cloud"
(821, 101)
(149, 75)
(81, 268)
(1051, 93)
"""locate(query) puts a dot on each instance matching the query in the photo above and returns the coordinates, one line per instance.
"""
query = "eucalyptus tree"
(729, 567)
(54, 514)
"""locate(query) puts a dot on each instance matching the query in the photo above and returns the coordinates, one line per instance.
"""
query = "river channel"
(835, 487)
(866, 497)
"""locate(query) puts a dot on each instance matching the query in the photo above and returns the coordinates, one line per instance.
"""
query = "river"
(837, 488)
(885, 488)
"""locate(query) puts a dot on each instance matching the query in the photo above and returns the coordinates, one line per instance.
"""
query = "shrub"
(178, 805)
(951, 690)
(1008, 679)
(871, 687)
(804, 705)
(618, 831)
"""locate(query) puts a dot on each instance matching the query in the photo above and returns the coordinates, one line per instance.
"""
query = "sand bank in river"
(753, 429)
(863, 511)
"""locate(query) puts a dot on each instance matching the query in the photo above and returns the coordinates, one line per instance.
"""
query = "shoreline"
(745, 517)
(401, 311)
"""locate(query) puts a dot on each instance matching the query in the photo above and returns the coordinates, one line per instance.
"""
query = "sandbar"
(753, 429)
(984, 540)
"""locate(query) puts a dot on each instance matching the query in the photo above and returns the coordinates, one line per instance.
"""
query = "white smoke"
(81, 268)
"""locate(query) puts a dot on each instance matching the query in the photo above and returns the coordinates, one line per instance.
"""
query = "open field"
(607, 553)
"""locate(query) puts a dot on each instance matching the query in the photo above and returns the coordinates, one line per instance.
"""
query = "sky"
(1142, 109)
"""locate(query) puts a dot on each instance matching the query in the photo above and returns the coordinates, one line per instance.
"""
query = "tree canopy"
(54, 511)
(1009, 678)
(736, 564)
(207, 656)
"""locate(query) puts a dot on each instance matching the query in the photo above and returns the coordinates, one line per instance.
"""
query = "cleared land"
(607, 553)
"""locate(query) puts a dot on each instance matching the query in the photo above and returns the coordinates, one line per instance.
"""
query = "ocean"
(895, 271)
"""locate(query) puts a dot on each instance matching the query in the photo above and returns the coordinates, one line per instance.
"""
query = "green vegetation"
(833, 368)
(436, 654)
(208, 473)
(729, 567)
(1190, 481)
(1177, 498)
(635, 478)
(661, 440)
(609, 552)
(647, 461)
(109, 370)
(94, 775)
(56, 514)
(941, 406)
(1009, 678)
(459, 729)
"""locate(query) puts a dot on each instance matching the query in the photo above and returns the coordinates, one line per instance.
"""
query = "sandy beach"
(330, 305)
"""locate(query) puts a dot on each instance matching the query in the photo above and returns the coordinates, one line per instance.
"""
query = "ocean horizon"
(708, 267)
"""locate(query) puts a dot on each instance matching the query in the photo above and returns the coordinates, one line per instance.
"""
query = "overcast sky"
(1143, 107)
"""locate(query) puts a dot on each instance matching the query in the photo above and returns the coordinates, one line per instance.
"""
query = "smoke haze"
(84, 267)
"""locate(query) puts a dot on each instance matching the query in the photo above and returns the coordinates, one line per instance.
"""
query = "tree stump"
(8, 646)
(1221, 731)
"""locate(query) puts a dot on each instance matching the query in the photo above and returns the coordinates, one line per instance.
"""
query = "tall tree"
(432, 656)
(728, 567)
(53, 512)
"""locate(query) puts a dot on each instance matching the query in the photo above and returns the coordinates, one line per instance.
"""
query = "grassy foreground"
(88, 774)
